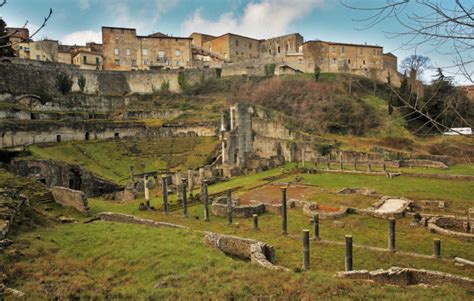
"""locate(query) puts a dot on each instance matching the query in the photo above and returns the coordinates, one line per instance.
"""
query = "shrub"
(183, 84)
(64, 82)
(165, 86)
(324, 149)
(317, 73)
(270, 69)
(81, 82)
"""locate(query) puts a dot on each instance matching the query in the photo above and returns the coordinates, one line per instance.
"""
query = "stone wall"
(55, 173)
(408, 276)
(450, 226)
(41, 80)
(11, 202)
(258, 252)
(244, 211)
(130, 219)
(71, 198)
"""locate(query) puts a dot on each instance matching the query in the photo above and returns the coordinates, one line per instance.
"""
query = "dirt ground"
(272, 194)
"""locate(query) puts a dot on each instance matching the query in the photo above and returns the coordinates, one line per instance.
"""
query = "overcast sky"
(80, 21)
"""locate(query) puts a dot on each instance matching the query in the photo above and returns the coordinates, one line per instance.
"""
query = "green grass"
(124, 261)
(111, 159)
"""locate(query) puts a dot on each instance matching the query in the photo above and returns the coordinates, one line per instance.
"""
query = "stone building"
(44, 50)
(123, 49)
(16, 36)
(279, 47)
(233, 47)
(87, 60)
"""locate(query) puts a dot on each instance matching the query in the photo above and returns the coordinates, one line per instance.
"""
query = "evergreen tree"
(5, 48)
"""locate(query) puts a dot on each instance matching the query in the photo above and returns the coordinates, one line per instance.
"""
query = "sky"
(80, 21)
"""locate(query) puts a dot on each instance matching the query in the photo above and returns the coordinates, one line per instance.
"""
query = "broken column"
(184, 195)
(229, 207)
(132, 173)
(355, 164)
(255, 222)
(205, 197)
(306, 249)
(164, 179)
(316, 226)
(437, 248)
(348, 261)
(369, 167)
(147, 192)
(341, 165)
(391, 234)
(284, 223)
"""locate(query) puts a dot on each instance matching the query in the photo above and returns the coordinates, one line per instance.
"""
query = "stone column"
(391, 235)
(316, 226)
(437, 248)
(316, 162)
(328, 165)
(384, 167)
(231, 111)
(348, 253)
(355, 164)
(205, 196)
(369, 167)
(255, 222)
(191, 183)
(223, 157)
(184, 195)
(222, 122)
(302, 157)
(229, 207)
(132, 172)
(164, 179)
(284, 222)
(147, 191)
(341, 165)
(306, 249)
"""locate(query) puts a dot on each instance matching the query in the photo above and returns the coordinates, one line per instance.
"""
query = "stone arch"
(58, 138)
(74, 179)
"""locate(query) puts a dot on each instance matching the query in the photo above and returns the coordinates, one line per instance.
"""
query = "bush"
(165, 86)
(270, 69)
(317, 73)
(81, 82)
(64, 82)
(324, 149)
(183, 84)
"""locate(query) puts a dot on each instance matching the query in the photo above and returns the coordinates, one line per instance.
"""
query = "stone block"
(70, 198)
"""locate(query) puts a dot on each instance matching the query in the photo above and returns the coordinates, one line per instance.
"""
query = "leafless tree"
(415, 64)
(447, 28)
(50, 48)
(45, 21)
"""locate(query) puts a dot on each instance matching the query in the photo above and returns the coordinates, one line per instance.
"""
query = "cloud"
(142, 15)
(84, 4)
(82, 37)
(263, 19)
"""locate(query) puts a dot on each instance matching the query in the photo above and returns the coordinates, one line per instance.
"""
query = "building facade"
(279, 47)
(88, 60)
(124, 50)
(232, 47)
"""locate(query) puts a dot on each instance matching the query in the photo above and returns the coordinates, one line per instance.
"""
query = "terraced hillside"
(111, 159)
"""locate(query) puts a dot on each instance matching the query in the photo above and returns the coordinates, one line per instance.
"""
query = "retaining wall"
(70, 198)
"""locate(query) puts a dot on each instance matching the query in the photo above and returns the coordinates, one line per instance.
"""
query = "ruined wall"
(41, 80)
(55, 173)
(70, 198)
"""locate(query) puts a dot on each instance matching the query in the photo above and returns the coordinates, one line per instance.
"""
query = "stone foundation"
(70, 198)
(451, 226)
(258, 252)
(376, 211)
(130, 219)
(312, 209)
(356, 190)
(408, 276)
(11, 203)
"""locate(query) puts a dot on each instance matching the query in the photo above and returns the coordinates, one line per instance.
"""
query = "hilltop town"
(122, 49)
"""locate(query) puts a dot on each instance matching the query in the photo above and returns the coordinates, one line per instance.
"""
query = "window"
(116, 51)
(145, 62)
(177, 52)
(278, 49)
(117, 62)
(363, 62)
(269, 51)
(343, 49)
(84, 59)
(333, 48)
(250, 45)
(236, 43)
(161, 54)
(286, 47)
(37, 47)
(373, 51)
(360, 50)
(145, 51)
(134, 63)
(97, 61)
(128, 52)
(38, 57)
(349, 61)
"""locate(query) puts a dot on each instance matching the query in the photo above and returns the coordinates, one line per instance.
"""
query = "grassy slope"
(111, 159)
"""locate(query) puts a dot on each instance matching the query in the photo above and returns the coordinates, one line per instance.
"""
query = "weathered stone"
(70, 198)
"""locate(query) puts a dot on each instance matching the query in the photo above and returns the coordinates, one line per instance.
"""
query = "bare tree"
(50, 48)
(8, 35)
(415, 63)
(446, 27)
